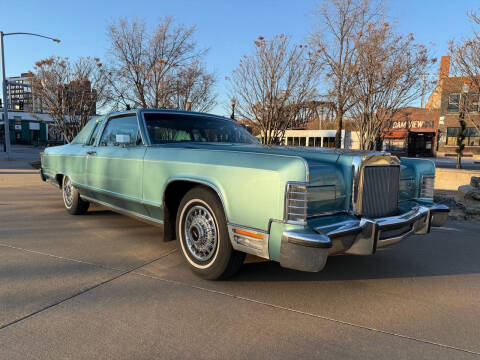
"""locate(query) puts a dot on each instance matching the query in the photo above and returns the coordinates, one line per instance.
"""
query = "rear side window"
(125, 125)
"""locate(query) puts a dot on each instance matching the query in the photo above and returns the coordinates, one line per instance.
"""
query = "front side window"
(174, 128)
(125, 125)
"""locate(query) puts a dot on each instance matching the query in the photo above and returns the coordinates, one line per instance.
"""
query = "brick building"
(412, 132)
(446, 99)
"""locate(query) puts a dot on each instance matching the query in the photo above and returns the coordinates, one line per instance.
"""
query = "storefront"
(412, 138)
(25, 131)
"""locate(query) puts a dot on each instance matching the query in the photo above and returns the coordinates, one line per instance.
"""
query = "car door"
(75, 155)
(115, 171)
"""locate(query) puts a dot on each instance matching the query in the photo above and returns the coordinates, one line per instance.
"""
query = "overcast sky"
(227, 28)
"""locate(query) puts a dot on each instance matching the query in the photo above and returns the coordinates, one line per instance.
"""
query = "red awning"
(396, 135)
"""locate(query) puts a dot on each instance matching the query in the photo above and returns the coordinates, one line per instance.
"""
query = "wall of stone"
(451, 179)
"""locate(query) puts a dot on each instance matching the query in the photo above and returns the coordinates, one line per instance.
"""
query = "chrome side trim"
(251, 245)
(120, 210)
(117, 195)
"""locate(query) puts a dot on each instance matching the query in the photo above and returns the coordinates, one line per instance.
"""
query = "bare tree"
(158, 69)
(388, 73)
(466, 62)
(271, 84)
(341, 22)
(70, 91)
(193, 89)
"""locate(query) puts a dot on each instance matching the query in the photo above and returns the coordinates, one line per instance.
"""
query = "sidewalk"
(22, 152)
(20, 156)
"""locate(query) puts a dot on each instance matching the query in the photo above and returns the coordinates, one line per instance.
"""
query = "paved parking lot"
(104, 286)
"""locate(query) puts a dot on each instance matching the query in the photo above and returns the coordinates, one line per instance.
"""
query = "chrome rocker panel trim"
(308, 251)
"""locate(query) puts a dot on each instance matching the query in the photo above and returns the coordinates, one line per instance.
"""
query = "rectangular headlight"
(302, 201)
(426, 187)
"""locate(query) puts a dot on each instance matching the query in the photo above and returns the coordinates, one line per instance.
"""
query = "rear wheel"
(203, 236)
(71, 198)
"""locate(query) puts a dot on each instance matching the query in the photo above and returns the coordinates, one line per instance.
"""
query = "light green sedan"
(208, 183)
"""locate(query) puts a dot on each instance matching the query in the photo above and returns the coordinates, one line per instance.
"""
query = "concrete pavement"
(104, 286)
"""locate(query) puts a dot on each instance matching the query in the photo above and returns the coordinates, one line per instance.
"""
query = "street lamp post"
(461, 119)
(6, 127)
(233, 109)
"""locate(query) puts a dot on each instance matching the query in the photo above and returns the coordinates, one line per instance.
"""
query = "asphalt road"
(104, 286)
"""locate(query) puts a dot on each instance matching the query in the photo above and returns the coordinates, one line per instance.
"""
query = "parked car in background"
(208, 183)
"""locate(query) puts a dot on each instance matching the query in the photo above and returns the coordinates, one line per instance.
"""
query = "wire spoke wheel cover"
(200, 232)
(68, 192)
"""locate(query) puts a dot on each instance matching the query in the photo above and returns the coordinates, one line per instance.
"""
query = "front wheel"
(203, 236)
(71, 198)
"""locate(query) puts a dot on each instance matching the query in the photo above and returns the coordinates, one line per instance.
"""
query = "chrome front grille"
(380, 186)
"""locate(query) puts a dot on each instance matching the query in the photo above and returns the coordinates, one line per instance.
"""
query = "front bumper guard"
(308, 251)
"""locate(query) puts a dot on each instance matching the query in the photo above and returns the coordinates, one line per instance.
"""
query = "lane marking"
(445, 228)
(84, 290)
(283, 308)
(218, 292)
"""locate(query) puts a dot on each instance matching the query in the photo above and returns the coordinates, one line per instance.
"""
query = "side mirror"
(122, 139)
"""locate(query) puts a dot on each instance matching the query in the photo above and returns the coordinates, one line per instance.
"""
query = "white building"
(321, 138)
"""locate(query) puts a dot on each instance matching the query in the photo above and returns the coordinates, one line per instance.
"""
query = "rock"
(457, 214)
(467, 192)
(472, 207)
(475, 182)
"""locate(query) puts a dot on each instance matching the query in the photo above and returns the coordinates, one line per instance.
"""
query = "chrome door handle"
(91, 152)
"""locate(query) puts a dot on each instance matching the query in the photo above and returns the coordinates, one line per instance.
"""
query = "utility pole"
(6, 126)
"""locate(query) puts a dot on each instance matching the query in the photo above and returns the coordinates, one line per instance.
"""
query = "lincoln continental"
(207, 182)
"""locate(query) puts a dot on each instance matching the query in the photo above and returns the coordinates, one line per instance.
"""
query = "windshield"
(170, 128)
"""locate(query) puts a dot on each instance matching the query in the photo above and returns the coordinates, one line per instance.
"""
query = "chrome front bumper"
(307, 250)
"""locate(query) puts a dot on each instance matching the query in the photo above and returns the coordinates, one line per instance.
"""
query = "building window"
(318, 142)
(311, 141)
(303, 141)
(473, 103)
(394, 145)
(452, 133)
(289, 141)
(472, 136)
(329, 142)
(453, 102)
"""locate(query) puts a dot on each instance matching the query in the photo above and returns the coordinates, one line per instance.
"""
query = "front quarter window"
(83, 136)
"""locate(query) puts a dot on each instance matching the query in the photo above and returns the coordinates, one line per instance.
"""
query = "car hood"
(310, 154)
